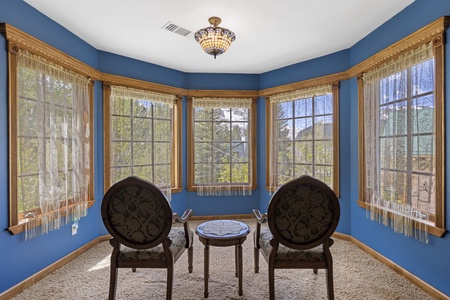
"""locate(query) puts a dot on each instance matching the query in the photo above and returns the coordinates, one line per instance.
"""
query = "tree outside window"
(140, 137)
(221, 142)
(402, 143)
(302, 138)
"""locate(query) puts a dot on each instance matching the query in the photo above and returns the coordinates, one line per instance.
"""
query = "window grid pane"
(406, 138)
(34, 119)
(141, 140)
(221, 146)
(305, 138)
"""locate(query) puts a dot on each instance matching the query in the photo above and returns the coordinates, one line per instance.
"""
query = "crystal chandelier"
(213, 39)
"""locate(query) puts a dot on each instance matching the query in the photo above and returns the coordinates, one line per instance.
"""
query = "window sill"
(439, 232)
(195, 188)
(176, 190)
(16, 229)
(272, 189)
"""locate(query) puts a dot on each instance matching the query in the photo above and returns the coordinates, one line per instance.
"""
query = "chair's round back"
(303, 213)
(136, 213)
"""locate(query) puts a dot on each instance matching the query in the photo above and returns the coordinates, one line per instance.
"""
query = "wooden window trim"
(17, 40)
(190, 144)
(437, 28)
(432, 33)
(439, 232)
(335, 116)
(16, 229)
(176, 146)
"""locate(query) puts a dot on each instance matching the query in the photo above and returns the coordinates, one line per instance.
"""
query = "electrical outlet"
(74, 228)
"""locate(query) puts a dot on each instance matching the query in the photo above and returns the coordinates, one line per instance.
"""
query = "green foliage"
(141, 137)
(304, 144)
(237, 172)
(45, 109)
(221, 146)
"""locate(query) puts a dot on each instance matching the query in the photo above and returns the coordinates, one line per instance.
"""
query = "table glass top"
(223, 229)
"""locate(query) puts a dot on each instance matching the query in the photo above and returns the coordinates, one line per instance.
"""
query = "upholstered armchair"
(139, 218)
(301, 218)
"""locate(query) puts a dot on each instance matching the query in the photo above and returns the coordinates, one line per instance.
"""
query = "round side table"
(223, 233)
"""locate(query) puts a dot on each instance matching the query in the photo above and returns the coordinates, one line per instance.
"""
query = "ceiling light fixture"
(213, 39)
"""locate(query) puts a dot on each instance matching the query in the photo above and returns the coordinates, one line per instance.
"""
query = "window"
(50, 144)
(303, 136)
(402, 140)
(140, 137)
(221, 145)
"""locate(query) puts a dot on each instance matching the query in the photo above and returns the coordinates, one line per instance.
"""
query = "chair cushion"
(287, 254)
(177, 237)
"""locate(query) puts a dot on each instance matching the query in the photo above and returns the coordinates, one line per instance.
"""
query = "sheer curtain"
(399, 142)
(276, 138)
(143, 121)
(130, 93)
(222, 146)
(53, 113)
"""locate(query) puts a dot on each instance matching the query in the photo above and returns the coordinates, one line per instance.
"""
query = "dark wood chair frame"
(324, 239)
(117, 239)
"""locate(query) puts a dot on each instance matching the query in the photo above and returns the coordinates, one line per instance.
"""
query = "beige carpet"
(356, 276)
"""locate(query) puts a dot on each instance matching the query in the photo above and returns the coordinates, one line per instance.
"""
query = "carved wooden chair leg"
(112, 283)
(190, 258)
(330, 288)
(169, 282)
(271, 283)
(256, 256)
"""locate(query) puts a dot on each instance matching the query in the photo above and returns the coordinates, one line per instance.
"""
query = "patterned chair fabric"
(139, 218)
(303, 214)
(301, 217)
(286, 254)
(177, 237)
(137, 214)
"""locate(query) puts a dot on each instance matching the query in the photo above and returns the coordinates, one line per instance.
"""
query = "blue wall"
(325, 65)
(123, 66)
(19, 260)
(22, 259)
(430, 262)
(202, 81)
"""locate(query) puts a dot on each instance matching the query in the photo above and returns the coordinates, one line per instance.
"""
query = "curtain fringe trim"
(401, 218)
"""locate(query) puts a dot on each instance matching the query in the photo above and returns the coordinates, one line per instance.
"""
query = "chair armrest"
(260, 218)
(116, 248)
(184, 220)
(113, 242)
(330, 242)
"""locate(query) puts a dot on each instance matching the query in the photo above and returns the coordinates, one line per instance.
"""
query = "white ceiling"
(269, 34)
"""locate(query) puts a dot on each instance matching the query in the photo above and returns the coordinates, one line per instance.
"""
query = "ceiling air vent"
(172, 27)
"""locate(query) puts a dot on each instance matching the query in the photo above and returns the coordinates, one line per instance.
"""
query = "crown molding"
(328, 79)
(223, 93)
(141, 84)
(19, 39)
(426, 34)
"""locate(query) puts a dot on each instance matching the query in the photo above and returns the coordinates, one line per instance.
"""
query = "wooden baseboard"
(427, 288)
(13, 291)
(8, 294)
